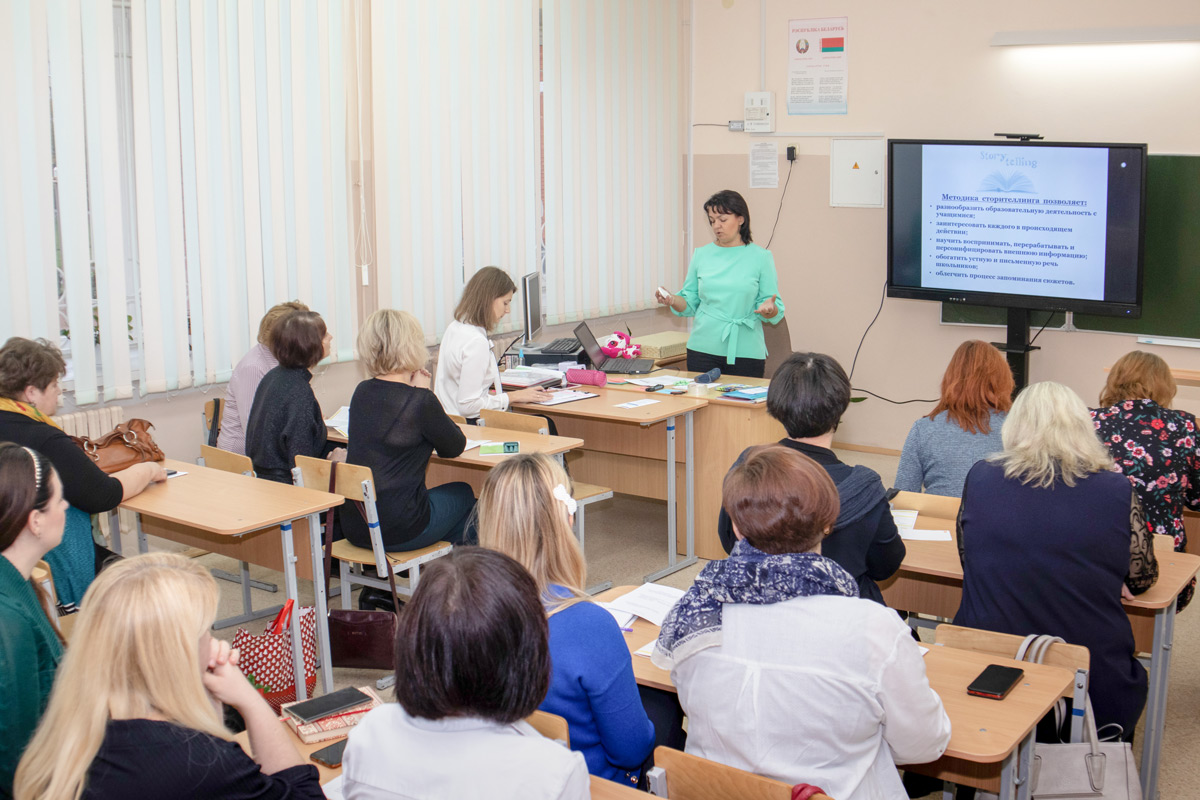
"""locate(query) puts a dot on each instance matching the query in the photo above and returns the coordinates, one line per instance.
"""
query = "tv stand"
(1017, 347)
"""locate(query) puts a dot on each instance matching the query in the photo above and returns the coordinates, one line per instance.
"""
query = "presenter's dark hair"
(809, 393)
(473, 641)
(780, 500)
(298, 340)
(727, 201)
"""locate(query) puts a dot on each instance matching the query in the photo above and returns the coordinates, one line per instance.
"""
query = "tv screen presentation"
(1036, 225)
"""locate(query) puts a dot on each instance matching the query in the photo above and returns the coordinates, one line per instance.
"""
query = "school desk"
(618, 452)
(930, 582)
(225, 508)
(991, 743)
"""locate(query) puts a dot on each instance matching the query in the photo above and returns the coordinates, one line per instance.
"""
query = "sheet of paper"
(175, 473)
(649, 601)
(624, 618)
(341, 419)
(914, 535)
(923, 649)
(637, 403)
(566, 396)
(905, 518)
(333, 789)
(764, 165)
(476, 442)
(646, 650)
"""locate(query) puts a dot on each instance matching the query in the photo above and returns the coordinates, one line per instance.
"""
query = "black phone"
(995, 681)
(327, 705)
(330, 756)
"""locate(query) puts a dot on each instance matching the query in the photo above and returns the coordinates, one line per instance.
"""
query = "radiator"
(94, 423)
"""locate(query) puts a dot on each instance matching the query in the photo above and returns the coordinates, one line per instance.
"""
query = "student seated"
(809, 393)
(472, 661)
(32, 515)
(285, 420)
(395, 425)
(525, 510)
(249, 372)
(135, 710)
(782, 669)
(963, 427)
(1051, 538)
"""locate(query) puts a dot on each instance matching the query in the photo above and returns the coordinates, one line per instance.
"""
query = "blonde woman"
(395, 425)
(525, 511)
(135, 710)
(1051, 538)
(466, 367)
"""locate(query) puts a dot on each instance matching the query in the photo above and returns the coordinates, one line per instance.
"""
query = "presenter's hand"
(768, 309)
(531, 395)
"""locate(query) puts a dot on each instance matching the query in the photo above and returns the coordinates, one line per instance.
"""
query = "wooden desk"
(608, 431)
(991, 744)
(226, 506)
(930, 582)
(601, 789)
(471, 467)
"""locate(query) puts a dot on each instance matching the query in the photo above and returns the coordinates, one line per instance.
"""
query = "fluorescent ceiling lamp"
(1156, 33)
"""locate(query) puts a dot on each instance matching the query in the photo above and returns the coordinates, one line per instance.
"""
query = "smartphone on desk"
(995, 682)
(330, 756)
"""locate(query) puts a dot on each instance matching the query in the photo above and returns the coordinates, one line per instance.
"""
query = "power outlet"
(737, 125)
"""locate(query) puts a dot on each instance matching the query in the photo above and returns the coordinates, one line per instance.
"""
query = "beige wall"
(924, 69)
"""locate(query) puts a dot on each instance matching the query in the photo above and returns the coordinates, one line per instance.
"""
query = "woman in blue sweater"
(525, 511)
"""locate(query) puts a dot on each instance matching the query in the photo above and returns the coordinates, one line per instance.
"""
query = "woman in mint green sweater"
(730, 289)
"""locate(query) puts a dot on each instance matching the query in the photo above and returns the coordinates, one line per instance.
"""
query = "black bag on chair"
(358, 639)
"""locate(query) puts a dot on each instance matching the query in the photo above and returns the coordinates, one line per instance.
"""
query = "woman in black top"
(396, 423)
(285, 419)
(130, 720)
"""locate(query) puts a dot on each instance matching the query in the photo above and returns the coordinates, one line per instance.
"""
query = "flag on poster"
(817, 71)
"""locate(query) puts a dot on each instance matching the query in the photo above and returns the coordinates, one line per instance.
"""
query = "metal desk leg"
(317, 545)
(1016, 772)
(289, 582)
(142, 543)
(248, 613)
(114, 530)
(1156, 699)
(690, 485)
(673, 562)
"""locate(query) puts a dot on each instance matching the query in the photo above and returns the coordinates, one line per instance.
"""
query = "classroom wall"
(925, 69)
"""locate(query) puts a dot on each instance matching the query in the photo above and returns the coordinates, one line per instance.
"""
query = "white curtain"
(454, 97)
(614, 144)
(236, 197)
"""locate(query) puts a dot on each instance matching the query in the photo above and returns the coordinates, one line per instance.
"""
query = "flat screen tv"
(1033, 225)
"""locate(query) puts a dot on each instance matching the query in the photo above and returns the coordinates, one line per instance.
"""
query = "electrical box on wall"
(760, 112)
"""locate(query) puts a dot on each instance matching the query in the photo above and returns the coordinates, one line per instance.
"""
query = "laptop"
(621, 366)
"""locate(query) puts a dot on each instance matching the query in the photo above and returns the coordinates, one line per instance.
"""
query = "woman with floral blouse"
(1153, 445)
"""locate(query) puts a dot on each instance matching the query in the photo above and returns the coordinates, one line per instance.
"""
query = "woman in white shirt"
(472, 661)
(466, 367)
(781, 668)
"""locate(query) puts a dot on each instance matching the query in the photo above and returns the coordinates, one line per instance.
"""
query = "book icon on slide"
(1013, 182)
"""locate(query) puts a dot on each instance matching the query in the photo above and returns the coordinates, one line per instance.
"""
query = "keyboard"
(567, 345)
(626, 366)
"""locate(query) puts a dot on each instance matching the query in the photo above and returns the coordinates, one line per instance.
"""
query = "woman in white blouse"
(781, 668)
(466, 367)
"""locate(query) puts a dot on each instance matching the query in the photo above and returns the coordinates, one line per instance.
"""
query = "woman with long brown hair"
(963, 427)
(32, 515)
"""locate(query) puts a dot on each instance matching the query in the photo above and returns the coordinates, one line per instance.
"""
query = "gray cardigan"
(938, 454)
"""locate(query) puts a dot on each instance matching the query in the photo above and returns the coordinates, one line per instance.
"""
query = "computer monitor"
(531, 304)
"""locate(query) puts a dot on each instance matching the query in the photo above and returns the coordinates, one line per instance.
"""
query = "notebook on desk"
(620, 366)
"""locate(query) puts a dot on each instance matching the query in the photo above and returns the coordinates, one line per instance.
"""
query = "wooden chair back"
(552, 726)
(350, 477)
(508, 421)
(694, 778)
(779, 345)
(928, 505)
(211, 408)
(461, 420)
(1069, 656)
(226, 461)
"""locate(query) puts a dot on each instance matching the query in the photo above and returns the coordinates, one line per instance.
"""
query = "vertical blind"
(455, 130)
(614, 220)
(239, 181)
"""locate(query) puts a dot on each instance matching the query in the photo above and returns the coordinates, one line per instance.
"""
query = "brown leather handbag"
(358, 639)
(125, 445)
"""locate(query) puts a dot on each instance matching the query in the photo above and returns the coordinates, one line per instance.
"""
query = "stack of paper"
(340, 421)
(624, 618)
(906, 519)
(650, 601)
(529, 376)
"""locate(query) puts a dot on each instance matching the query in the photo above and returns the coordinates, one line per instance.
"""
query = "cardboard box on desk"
(663, 345)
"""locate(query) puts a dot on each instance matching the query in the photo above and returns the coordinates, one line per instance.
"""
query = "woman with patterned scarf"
(29, 392)
(782, 669)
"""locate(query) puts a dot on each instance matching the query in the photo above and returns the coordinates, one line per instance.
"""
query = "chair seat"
(590, 491)
(344, 551)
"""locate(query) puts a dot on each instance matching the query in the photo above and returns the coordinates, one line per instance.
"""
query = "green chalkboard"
(1171, 285)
